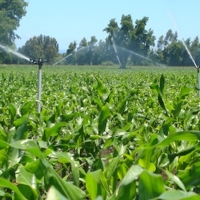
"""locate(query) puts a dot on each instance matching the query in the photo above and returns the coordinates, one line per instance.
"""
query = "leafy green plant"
(102, 134)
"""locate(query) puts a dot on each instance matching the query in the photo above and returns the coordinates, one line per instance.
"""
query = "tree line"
(127, 43)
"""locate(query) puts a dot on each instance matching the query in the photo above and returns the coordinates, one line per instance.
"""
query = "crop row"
(102, 134)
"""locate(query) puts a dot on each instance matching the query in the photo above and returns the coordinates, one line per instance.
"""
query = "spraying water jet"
(190, 55)
(141, 56)
(116, 53)
(69, 55)
(9, 50)
(62, 59)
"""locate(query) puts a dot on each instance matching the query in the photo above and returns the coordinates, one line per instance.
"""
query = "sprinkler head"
(38, 61)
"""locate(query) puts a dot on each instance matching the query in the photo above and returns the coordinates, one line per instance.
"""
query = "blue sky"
(72, 20)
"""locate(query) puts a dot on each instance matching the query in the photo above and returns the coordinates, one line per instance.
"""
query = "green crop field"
(103, 133)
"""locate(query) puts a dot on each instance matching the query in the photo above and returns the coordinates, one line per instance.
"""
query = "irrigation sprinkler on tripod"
(39, 62)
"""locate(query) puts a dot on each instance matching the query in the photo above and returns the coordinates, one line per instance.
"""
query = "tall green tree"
(129, 39)
(99, 53)
(81, 52)
(41, 46)
(195, 50)
(169, 49)
(173, 52)
(91, 50)
(71, 50)
(11, 12)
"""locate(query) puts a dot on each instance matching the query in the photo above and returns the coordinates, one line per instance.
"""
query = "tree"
(99, 53)
(41, 46)
(195, 50)
(71, 49)
(11, 12)
(173, 53)
(170, 50)
(129, 39)
(170, 37)
(81, 52)
(91, 49)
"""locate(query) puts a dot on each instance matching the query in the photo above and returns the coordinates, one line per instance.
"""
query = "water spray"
(62, 59)
(141, 56)
(39, 62)
(196, 66)
(9, 50)
(190, 55)
(116, 53)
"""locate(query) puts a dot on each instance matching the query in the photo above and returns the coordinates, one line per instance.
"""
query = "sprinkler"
(198, 80)
(39, 62)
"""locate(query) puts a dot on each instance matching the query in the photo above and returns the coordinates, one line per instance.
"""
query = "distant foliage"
(11, 12)
(41, 46)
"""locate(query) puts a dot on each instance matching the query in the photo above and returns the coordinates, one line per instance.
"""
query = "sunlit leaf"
(103, 117)
(7, 184)
(162, 83)
(178, 194)
(94, 185)
(152, 184)
(54, 194)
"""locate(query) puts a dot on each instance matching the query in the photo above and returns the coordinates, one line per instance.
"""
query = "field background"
(103, 133)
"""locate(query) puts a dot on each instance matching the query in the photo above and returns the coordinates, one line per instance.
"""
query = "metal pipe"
(39, 90)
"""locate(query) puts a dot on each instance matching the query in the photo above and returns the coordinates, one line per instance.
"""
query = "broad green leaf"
(3, 144)
(28, 192)
(112, 166)
(28, 145)
(94, 185)
(122, 170)
(13, 111)
(103, 117)
(53, 131)
(175, 179)
(127, 188)
(181, 153)
(68, 117)
(150, 185)
(67, 158)
(21, 130)
(54, 194)
(177, 195)
(161, 102)
(26, 108)
(149, 166)
(14, 153)
(184, 92)
(26, 178)
(122, 106)
(177, 108)
(3, 135)
(7, 184)
(183, 135)
(36, 168)
(162, 84)
(102, 90)
(67, 189)
(20, 121)
(191, 177)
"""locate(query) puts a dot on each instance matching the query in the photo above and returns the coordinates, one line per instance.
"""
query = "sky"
(72, 20)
